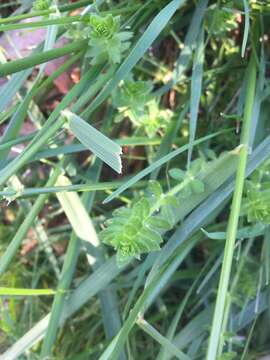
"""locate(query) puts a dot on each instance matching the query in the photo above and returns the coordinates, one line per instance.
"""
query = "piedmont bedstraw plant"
(106, 40)
(191, 184)
(131, 98)
(137, 229)
(39, 5)
(132, 259)
(256, 205)
(134, 101)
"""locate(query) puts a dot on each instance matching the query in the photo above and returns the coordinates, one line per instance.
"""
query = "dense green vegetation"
(134, 173)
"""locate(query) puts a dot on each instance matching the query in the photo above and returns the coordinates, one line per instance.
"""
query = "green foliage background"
(135, 216)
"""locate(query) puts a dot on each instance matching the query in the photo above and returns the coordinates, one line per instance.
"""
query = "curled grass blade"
(103, 147)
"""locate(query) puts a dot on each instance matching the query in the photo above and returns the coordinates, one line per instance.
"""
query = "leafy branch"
(136, 230)
(105, 39)
(134, 101)
(40, 5)
(256, 205)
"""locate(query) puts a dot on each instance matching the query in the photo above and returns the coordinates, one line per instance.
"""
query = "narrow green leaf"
(177, 174)
(16, 121)
(246, 29)
(40, 58)
(8, 90)
(196, 90)
(215, 344)
(42, 23)
(77, 216)
(258, 102)
(106, 149)
(246, 232)
(74, 148)
(25, 292)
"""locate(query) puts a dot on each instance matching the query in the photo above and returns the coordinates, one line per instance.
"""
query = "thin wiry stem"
(214, 342)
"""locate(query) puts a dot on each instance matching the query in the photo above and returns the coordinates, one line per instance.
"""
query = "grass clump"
(134, 174)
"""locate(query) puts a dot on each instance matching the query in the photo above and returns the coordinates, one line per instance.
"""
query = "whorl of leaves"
(104, 27)
(247, 283)
(133, 94)
(40, 5)
(191, 183)
(137, 229)
(134, 101)
(256, 204)
(106, 41)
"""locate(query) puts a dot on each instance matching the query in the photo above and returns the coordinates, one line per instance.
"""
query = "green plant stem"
(63, 8)
(16, 121)
(32, 14)
(136, 141)
(8, 113)
(20, 140)
(215, 336)
(101, 186)
(171, 193)
(40, 58)
(233, 288)
(44, 23)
